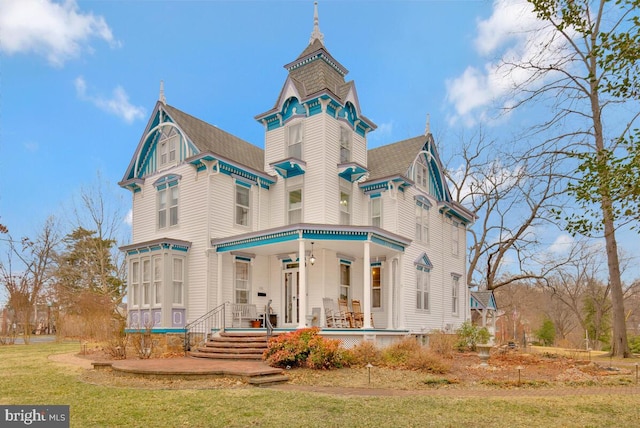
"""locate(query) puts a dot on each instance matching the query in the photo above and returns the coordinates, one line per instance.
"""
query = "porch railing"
(198, 331)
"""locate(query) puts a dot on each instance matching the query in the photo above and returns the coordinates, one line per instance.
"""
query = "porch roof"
(341, 238)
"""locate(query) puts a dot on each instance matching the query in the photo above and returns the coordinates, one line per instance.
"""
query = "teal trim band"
(345, 262)
(387, 243)
(258, 241)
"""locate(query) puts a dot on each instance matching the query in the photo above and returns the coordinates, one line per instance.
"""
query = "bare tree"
(512, 193)
(567, 75)
(26, 274)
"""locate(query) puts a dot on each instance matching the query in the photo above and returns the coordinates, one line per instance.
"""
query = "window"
(454, 238)
(345, 281)
(295, 206)
(422, 173)
(345, 215)
(376, 287)
(167, 206)
(422, 223)
(422, 289)
(242, 205)
(345, 145)
(178, 280)
(376, 212)
(146, 278)
(295, 141)
(455, 285)
(135, 283)
(157, 280)
(167, 146)
(242, 281)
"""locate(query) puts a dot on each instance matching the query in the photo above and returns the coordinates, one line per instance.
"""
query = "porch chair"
(333, 317)
(242, 311)
(343, 307)
(358, 315)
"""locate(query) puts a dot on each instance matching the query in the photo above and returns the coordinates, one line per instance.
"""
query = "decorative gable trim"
(290, 167)
(423, 263)
(352, 171)
(156, 245)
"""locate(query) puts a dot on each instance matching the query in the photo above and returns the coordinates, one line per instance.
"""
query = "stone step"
(223, 350)
(268, 380)
(226, 356)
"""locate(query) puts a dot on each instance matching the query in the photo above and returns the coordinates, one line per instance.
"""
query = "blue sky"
(78, 79)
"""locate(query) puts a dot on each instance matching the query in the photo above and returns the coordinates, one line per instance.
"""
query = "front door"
(291, 307)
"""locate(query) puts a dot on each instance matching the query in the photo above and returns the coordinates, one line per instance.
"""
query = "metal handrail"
(267, 320)
(204, 326)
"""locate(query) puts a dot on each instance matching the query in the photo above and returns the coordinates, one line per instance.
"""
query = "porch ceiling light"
(312, 258)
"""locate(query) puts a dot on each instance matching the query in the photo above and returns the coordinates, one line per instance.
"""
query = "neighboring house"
(217, 219)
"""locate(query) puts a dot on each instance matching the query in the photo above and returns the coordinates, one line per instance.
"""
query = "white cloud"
(118, 104)
(511, 34)
(562, 244)
(57, 31)
(382, 134)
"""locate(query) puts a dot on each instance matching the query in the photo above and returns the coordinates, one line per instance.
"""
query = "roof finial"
(427, 129)
(161, 98)
(316, 34)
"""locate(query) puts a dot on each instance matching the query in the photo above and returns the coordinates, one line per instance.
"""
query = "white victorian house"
(315, 215)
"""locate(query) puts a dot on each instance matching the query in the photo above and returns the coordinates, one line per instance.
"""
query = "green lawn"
(28, 377)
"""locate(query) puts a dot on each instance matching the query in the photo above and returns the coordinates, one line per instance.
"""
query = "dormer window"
(345, 145)
(295, 137)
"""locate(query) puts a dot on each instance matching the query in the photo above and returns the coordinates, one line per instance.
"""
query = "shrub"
(397, 354)
(305, 348)
(442, 343)
(326, 354)
(634, 344)
(366, 352)
(469, 336)
(427, 361)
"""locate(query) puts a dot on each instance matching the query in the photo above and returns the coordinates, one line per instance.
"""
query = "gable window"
(295, 206)
(294, 149)
(242, 204)
(345, 213)
(422, 173)
(376, 211)
(167, 146)
(422, 223)
(157, 280)
(345, 281)
(135, 283)
(178, 280)
(455, 238)
(455, 285)
(423, 286)
(241, 281)
(376, 287)
(146, 278)
(167, 206)
(345, 145)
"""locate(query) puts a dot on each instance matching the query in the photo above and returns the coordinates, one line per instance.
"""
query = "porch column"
(302, 291)
(400, 317)
(366, 301)
(388, 265)
(219, 281)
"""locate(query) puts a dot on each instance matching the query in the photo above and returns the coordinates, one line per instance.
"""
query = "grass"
(28, 377)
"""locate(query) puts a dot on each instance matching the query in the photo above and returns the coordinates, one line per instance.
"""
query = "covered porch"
(299, 267)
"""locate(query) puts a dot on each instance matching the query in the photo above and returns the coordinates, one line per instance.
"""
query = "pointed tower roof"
(314, 74)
